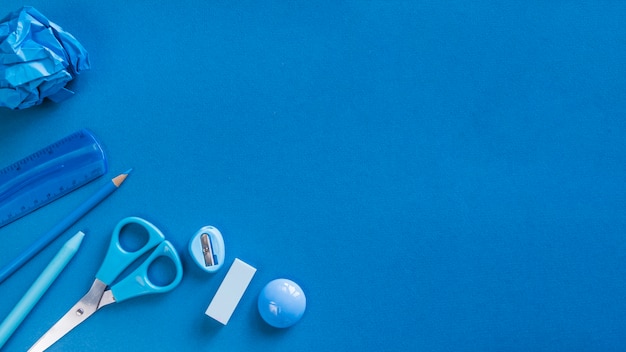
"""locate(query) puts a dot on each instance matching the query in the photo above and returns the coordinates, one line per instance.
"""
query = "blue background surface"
(436, 175)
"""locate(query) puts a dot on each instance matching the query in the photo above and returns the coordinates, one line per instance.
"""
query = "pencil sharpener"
(206, 248)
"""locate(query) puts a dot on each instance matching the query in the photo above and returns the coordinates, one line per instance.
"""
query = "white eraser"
(230, 291)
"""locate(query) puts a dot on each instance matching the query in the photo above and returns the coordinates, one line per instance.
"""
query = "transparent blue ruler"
(49, 174)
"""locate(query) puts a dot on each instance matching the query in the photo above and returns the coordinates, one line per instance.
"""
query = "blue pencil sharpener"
(206, 248)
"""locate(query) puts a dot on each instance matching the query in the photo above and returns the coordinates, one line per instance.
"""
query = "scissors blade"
(76, 315)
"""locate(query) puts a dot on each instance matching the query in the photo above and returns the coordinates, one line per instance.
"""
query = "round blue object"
(282, 303)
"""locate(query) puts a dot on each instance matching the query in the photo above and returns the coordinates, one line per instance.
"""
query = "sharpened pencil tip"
(117, 181)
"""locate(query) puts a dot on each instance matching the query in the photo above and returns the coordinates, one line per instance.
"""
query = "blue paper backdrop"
(436, 175)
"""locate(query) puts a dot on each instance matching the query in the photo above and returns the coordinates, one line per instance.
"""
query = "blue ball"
(282, 303)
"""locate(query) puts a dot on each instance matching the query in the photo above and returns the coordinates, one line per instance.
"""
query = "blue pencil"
(62, 226)
(39, 287)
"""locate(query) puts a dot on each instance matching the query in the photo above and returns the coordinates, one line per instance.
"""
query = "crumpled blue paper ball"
(37, 60)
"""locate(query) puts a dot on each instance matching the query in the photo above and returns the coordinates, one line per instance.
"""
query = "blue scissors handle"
(138, 282)
(118, 258)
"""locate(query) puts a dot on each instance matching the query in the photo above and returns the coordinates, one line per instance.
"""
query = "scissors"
(136, 283)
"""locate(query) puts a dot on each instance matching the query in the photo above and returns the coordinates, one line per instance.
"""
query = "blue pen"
(39, 287)
(56, 231)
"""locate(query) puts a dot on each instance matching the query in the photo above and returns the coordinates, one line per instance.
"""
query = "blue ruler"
(48, 174)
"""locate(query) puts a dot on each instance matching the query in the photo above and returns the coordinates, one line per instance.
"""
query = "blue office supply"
(39, 287)
(57, 230)
(282, 303)
(49, 173)
(207, 250)
(118, 258)
(38, 60)
(231, 291)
